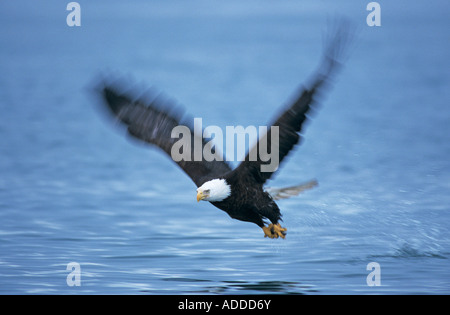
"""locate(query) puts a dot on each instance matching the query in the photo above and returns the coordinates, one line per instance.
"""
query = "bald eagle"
(240, 192)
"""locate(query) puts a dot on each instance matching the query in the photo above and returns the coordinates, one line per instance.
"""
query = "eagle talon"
(274, 231)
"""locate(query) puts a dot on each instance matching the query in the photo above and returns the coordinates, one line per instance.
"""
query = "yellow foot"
(274, 231)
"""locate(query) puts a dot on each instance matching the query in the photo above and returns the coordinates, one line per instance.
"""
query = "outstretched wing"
(291, 119)
(153, 122)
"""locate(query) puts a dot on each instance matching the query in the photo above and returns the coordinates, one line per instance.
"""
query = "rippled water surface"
(74, 189)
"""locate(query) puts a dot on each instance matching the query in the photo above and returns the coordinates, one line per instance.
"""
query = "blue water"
(74, 189)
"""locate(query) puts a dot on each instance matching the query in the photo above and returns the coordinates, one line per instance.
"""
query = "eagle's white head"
(214, 190)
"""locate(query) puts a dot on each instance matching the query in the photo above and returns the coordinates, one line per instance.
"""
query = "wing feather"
(291, 120)
(153, 122)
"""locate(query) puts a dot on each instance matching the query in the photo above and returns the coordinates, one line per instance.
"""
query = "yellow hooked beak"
(200, 196)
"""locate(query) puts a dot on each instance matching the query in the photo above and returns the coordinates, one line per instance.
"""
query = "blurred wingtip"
(338, 40)
(114, 90)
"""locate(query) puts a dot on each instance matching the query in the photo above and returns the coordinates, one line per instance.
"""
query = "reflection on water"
(239, 287)
(269, 287)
